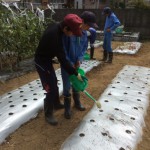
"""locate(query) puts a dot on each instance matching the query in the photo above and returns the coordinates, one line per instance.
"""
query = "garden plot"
(128, 48)
(124, 36)
(24, 103)
(118, 124)
(96, 44)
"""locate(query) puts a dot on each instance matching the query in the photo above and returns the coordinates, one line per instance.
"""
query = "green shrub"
(140, 4)
(20, 32)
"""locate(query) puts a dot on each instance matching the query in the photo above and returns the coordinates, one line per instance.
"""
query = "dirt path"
(38, 135)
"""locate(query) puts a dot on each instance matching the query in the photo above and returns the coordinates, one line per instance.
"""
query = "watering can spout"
(98, 104)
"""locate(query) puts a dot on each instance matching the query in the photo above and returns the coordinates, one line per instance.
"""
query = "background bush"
(20, 31)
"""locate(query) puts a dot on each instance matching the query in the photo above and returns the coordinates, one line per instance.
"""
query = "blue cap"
(106, 10)
(89, 18)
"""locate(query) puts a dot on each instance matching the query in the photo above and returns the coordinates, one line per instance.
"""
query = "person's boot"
(67, 104)
(92, 53)
(76, 98)
(48, 110)
(58, 104)
(105, 55)
(110, 57)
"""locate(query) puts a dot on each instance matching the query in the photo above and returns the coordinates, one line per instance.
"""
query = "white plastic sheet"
(128, 48)
(96, 44)
(118, 124)
(21, 105)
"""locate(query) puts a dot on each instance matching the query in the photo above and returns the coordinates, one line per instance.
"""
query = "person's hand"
(108, 30)
(77, 65)
(79, 77)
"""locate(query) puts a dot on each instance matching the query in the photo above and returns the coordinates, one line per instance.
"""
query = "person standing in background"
(111, 23)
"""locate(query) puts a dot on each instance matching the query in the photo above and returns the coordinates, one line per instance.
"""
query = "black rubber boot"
(58, 104)
(92, 53)
(67, 104)
(110, 57)
(76, 98)
(48, 110)
(105, 55)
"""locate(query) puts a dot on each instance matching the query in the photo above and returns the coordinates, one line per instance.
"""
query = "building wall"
(91, 4)
(86, 4)
(78, 4)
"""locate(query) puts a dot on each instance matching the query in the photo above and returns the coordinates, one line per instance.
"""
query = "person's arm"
(63, 60)
(116, 23)
(84, 47)
(66, 46)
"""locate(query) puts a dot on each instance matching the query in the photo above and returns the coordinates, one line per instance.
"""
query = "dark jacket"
(51, 46)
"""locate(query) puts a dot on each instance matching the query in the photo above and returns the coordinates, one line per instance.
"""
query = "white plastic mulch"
(128, 48)
(118, 124)
(97, 44)
(21, 105)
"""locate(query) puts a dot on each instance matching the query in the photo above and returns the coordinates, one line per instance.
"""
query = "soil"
(39, 135)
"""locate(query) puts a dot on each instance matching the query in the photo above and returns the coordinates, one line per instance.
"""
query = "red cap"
(74, 23)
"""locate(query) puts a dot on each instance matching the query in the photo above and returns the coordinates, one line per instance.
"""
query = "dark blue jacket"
(51, 46)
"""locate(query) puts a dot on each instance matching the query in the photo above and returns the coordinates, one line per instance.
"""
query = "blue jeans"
(107, 41)
(66, 83)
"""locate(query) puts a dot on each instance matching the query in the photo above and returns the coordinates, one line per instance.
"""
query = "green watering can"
(82, 85)
(76, 83)
(86, 56)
